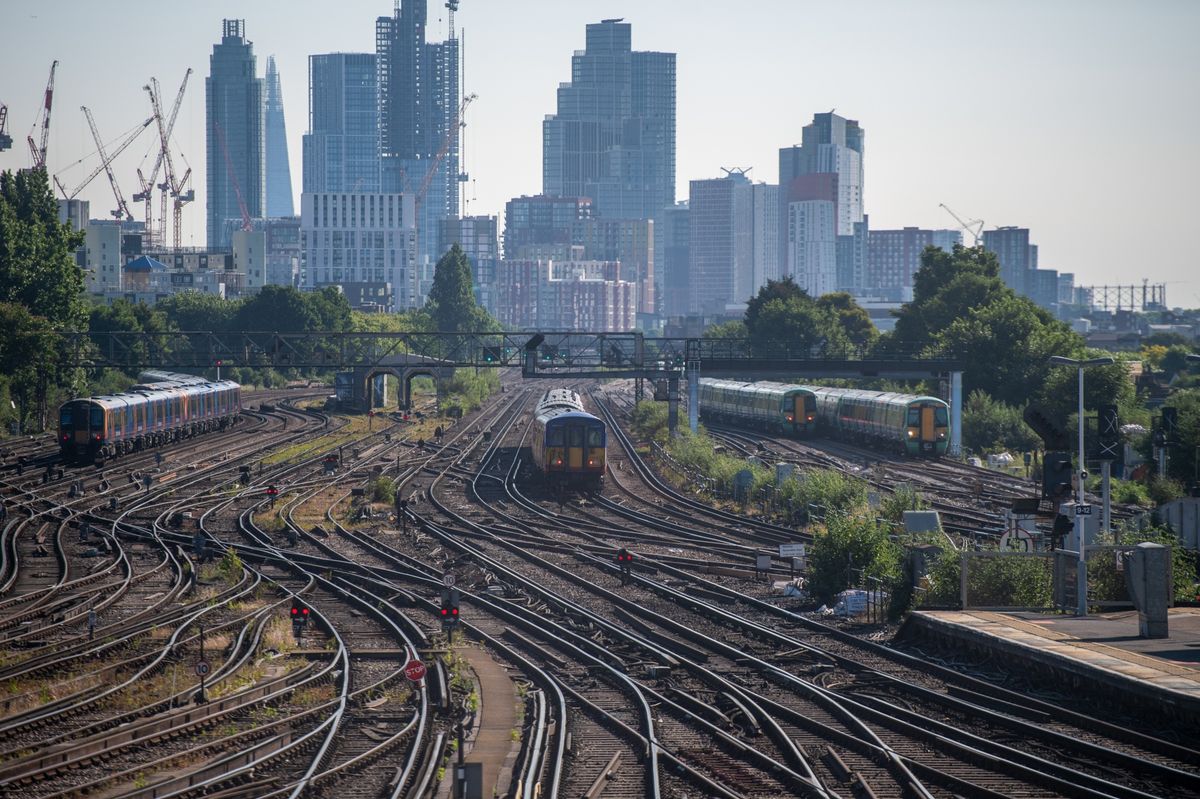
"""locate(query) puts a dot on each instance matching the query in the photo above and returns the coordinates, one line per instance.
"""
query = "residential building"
(283, 253)
(279, 170)
(341, 148)
(894, 256)
(250, 257)
(721, 241)
(1043, 289)
(478, 236)
(673, 256)
(234, 137)
(364, 243)
(812, 239)
(612, 137)
(74, 213)
(630, 242)
(565, 295)
(418, 101)
(102, 261)
(832, 145)
(540, 220)
(1018, 258)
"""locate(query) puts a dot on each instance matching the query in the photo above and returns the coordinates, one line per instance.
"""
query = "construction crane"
(5, 139)
(237, 190)
(122, 210)
(170, 184)
(106, 160)
(974, 227)
(148, 184)
(38, 149)
(441, 153)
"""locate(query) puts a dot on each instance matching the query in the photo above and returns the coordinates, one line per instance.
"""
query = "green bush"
(846, 544)
(649, 420)
(905, 497)
(1106, 582)
(994, 582)
(382, 489)
(821, 492)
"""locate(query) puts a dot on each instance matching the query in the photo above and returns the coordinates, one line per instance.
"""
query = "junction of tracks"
(149, 648)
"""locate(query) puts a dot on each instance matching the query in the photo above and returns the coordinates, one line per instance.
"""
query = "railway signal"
(1062, 528)
(625, 562)
(272, 492)
(449, 611)
(300, 615)
(1056, 475)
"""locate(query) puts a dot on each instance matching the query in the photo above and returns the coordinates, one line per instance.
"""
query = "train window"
(595, 437)
(576, 436)
(939, 417)
(64, 417)
(554, 437)
(914, 416)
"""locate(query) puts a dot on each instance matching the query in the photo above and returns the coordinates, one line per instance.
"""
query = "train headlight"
(790, 418)
(912, 433)
(591, 462)
(942, 434)
(810, 417)
(558, 462)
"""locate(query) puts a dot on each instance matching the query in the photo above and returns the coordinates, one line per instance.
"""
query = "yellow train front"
(567, 442)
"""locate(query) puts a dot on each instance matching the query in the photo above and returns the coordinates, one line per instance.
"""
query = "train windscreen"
(64, 417)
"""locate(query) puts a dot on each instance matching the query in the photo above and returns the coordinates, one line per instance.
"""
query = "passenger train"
(902, 423)
(568, 443)
(162, 408)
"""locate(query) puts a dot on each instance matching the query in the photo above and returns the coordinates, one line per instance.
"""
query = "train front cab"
(800, 408)
(575, 448)
(928, 428)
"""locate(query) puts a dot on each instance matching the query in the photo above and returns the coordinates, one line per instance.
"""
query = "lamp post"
(1081, 567)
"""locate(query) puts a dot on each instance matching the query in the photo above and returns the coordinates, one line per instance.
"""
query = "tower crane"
(170, 184)
(38, 149)
(122, 210)
(237, 190)
(442, 151)
(974, 227)
(148, 184)
(5, 139)
(106, 160)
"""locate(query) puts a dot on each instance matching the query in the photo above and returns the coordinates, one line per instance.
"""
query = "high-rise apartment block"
(613, 136)
(364, 243)
(831, 146)
(541, 220)
(629, 242)
(1018, 258)
(279, 171)
(733, 241)
(478, 236)
(565, 294)
(418, 102)
(235, 118)
(341, 148)
(894, 256)
(673, 258)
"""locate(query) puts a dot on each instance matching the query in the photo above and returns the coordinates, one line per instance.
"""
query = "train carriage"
(777, 407)
(151, 414)
(912, 425)
(567, 443)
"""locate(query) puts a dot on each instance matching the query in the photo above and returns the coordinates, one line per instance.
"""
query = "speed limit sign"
(448, 580)
(202, 668)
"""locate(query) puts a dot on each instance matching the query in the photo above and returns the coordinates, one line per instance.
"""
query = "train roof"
(563, 414)
(559, 398)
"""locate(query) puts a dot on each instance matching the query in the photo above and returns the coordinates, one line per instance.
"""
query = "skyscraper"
(418, 111)
(613, 137)
(831, 145)
(341, 148)
(1018, 258)
(279, 171)
(722, 244)
(234, 132)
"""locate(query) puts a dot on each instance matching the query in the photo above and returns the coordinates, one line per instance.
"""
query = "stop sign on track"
(414, 670)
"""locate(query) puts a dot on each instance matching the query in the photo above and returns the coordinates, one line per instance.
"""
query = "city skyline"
(1032, 125)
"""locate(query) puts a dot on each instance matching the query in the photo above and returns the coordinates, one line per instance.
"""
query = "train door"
(928, 434)
(575, 447)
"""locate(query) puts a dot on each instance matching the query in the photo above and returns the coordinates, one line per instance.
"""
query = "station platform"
(1102, 652)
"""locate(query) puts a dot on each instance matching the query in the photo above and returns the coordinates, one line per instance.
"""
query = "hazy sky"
(1075, 118)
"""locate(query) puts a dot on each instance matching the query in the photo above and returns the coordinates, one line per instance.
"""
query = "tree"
(331, 309)
(785, 289)
(196, 310)
(276, 308)
(988, 426)
(1007, 343)
(848, 545)
(37, 252)
(29, 359)
(734, 328)
(947, 287)
(853, 319)
(796, 325)
(452, 298)
(1184, 460)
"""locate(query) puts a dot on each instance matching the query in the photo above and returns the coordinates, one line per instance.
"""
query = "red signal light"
(295, 611)
(304, 611)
